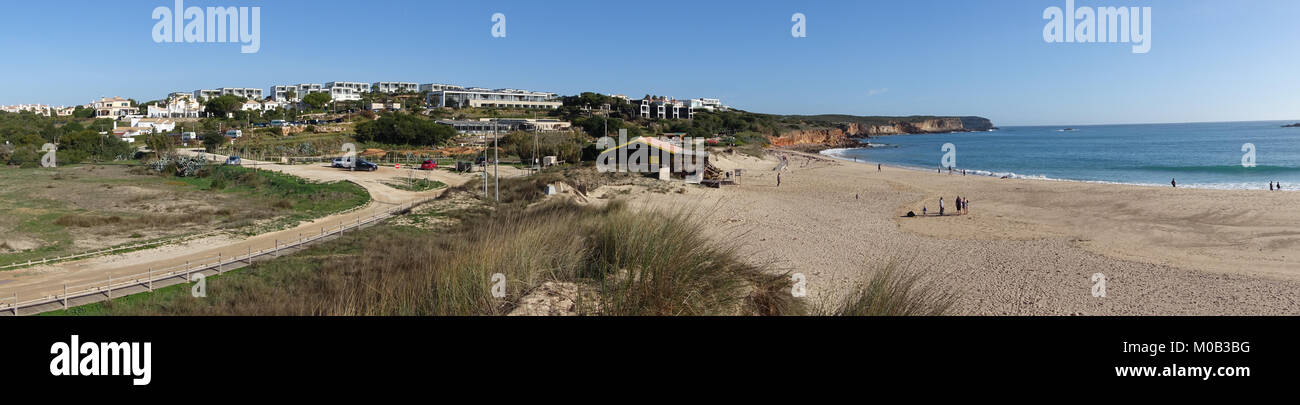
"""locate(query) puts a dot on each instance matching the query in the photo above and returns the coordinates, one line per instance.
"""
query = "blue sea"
(1202, 155)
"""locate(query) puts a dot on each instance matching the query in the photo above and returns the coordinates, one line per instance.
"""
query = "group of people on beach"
(1272, 187)
(963, 207)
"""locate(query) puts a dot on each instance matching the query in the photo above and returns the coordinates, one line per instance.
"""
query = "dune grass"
(639, 263)
(894, 289)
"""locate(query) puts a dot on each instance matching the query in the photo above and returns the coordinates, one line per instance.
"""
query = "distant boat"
(1066, 130)
(1296, 125)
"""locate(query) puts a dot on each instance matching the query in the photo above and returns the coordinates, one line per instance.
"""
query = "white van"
(234, 133)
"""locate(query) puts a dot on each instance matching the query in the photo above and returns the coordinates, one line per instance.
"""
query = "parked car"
(481, 161)
(340, 163)
(429, 165)
(234, 133)
(233, 161)
(362, 164)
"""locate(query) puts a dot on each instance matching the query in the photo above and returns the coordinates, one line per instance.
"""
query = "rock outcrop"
(847, 134)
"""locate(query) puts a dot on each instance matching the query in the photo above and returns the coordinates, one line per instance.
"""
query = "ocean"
(1199, 155)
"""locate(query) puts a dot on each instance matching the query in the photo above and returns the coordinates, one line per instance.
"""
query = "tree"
(83, 112)
(224, 105)
(404, 129)
(211, 140)
(317, 100)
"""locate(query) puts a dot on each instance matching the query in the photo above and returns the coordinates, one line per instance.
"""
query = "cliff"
(842, 131)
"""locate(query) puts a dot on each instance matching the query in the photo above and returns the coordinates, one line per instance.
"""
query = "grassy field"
(71, 209)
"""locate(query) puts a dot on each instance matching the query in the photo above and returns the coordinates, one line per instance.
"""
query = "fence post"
(109, 286)
(187, 270)
(151, 279)
(65, 296)
(218, 262)
(15, 303)
(250, 254)
(276, 251)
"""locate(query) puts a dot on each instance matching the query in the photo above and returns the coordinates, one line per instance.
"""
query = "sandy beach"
(1027, 247)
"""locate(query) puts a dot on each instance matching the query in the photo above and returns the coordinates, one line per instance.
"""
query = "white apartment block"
(245, 92)
(280, 93)
(346, 91)
(475, 97)
(395, 87)
(432, 87)
(665, 108)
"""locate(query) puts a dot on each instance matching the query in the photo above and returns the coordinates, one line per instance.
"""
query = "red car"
(429, 165)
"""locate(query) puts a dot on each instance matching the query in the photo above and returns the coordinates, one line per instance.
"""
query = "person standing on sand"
(878, 167)
(778, 179)
(924, 212)
(1270, 186)
(941, 206)
(1174, 182)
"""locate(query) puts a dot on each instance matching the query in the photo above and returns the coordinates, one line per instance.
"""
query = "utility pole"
(496, 161)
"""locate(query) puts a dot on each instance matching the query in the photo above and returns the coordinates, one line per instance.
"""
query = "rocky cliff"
(847, 132)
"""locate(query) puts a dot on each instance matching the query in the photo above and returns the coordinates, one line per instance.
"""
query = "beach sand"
(1028, 247)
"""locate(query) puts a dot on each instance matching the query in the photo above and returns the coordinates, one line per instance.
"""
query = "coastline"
(832, 153)
(1025, 248)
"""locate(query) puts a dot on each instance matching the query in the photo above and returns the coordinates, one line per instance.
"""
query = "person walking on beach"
(1270, 186)
(878, 167)
(1174, 182)
(924, 211)
(778, 179)
(941, 206)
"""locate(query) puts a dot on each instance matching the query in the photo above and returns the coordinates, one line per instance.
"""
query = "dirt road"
(49, 280)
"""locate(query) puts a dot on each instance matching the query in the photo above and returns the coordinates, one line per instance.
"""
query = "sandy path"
(1028, 246)
(43, 281)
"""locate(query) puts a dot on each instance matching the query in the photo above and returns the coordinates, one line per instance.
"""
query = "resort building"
(467, 127)
(39, 109)
(531, 124)
(245, 92)
(395, 87)
(115, 107)
(710, 104)
(281, 93)
(346, 91)
(502, 98)
(665, 108)
(433, 87)
(179, 105)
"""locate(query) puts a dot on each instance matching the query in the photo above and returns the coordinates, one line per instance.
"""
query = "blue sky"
(1209, 60)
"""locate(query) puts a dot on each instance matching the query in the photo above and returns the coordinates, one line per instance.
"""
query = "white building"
(280, 93)
(432, 87)
(245, 92)
(40, 109)
(346, 91)
(179, 105)
(115, 107)
(153, 125)
(395, 87)
(710, 104)
(476, 97)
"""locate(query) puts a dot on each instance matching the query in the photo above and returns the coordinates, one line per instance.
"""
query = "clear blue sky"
(1209, 61)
